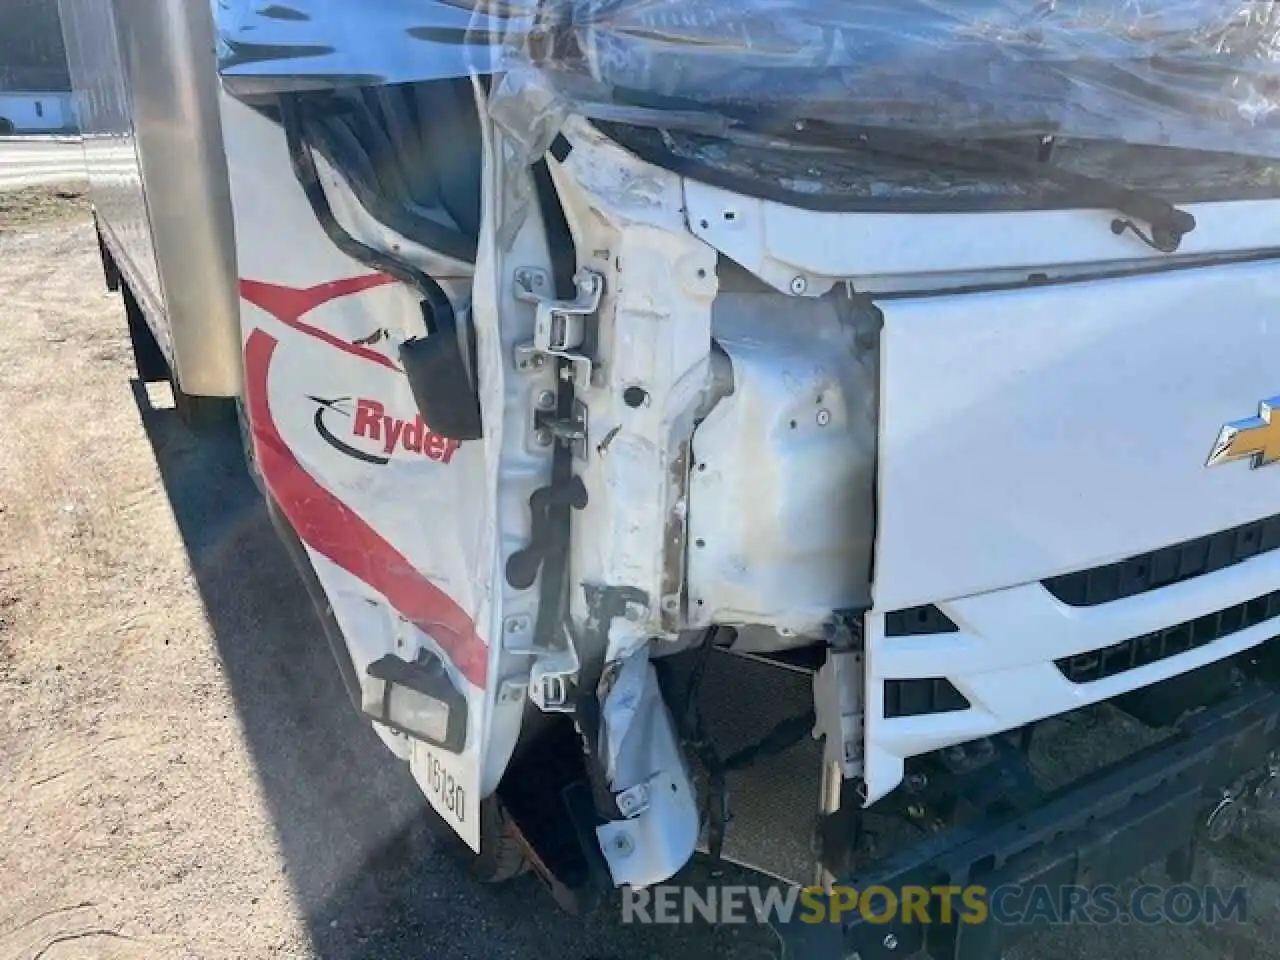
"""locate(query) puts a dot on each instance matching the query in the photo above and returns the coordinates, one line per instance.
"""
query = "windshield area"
(1198, 74)
(1194, 74)
(1131, 105)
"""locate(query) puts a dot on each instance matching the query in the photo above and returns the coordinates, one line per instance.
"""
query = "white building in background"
(36, 112)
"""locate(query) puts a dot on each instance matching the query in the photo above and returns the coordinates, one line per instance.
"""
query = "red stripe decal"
(288, 304)
(334, 530)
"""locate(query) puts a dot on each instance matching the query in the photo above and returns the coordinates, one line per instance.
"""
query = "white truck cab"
(705, 429)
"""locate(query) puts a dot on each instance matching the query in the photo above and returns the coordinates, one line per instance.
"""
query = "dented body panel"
(808, 423)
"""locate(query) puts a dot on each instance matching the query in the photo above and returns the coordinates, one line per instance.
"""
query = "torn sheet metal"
(1201, 74)
(647, 774)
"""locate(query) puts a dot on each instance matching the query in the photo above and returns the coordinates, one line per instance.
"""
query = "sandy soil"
(180, 775)
(42, 204)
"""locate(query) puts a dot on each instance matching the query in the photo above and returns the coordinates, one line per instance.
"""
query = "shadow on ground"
(373, 869)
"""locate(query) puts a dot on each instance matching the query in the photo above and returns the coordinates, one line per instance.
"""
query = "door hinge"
(561, 328)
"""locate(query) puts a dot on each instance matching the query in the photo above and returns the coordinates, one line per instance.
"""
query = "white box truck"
(717, 426)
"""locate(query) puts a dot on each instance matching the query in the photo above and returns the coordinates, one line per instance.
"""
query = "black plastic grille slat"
(1167, 566)
(921, 696)
(1169, 642)
(917, 621)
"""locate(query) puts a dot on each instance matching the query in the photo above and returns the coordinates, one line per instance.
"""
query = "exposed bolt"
(915, 811)
(622, 845)
(890, 942)
(916, 781)
(546, 400)
(543, 436)
(799, 125)
(538, 360)
(798, 285)
(824, 417)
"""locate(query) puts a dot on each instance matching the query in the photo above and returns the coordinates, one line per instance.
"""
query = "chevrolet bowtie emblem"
(1257, 438)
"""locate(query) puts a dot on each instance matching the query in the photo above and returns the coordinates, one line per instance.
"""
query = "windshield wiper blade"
(1168, 224)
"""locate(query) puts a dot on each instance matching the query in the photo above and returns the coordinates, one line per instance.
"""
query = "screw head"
(824, 417)
(623, 845)
(798, 285)
(890, 942)
(546, 400)
(543, 437)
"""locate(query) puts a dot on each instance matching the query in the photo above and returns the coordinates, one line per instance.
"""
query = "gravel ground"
(180, 775)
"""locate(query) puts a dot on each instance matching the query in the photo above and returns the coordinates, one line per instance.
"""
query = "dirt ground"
(42, 204)
(180, 775)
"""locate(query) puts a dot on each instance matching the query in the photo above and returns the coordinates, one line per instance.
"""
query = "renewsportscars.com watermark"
(1098, 906)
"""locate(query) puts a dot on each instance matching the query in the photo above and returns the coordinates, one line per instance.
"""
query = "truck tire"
(147, 355)
(501, 855)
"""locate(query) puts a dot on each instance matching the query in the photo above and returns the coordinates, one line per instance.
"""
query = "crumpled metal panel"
(1191, 73)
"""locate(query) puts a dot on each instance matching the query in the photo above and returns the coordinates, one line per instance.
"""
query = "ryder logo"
(382, 434)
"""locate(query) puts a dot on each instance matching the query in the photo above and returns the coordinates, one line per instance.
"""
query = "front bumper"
(1004, 651)
(1103, 828)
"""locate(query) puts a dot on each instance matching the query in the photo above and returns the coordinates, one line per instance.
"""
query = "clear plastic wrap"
(1202, 74)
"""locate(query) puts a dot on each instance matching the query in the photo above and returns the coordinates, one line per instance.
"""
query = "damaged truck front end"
(710, 426)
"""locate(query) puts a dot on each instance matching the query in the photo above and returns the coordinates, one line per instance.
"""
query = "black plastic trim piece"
(921, 697)
(561, 148)
(1061, 199)
(1166, 566)
(440, 385)
(1153, 647)
(917, 621)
